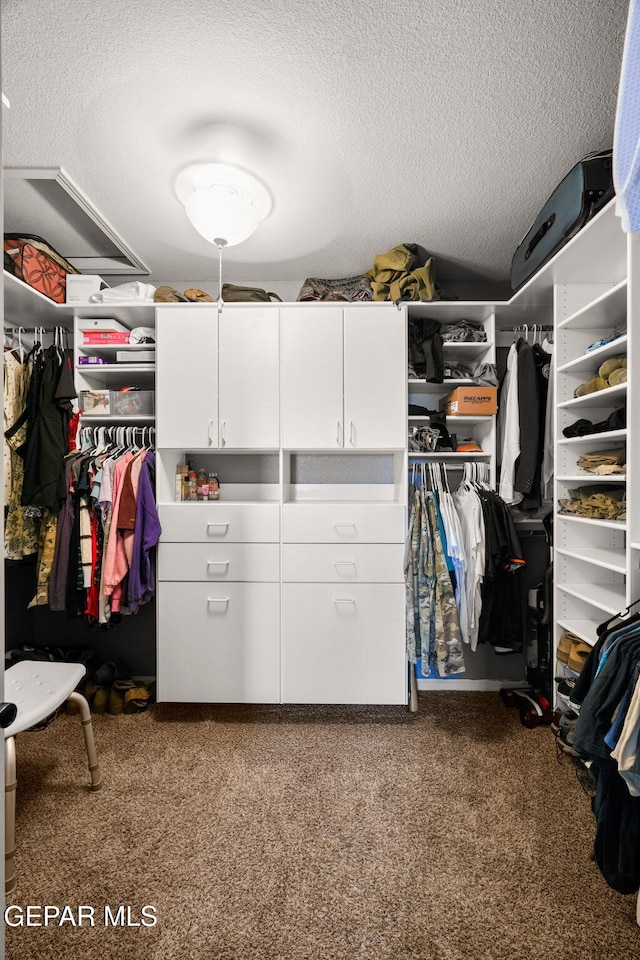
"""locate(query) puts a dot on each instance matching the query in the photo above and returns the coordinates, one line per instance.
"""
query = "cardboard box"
(80, 286)
(472, 401)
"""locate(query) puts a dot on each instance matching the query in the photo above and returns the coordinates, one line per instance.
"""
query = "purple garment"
(59, 568)
(146, 534)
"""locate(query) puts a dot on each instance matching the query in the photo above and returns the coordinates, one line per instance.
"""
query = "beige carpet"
(315, 833)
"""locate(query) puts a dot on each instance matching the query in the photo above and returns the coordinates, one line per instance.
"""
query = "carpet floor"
(314, 833)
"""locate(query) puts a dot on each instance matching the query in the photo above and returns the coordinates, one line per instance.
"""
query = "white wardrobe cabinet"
(186, 377)
(343, 643)
(343, 377)
(218, 377)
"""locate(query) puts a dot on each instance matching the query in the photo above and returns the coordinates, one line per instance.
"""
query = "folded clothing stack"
(464, 331)
(596, 503)
(617, 420)
(603, 462)
(610, 373)
(482, 374)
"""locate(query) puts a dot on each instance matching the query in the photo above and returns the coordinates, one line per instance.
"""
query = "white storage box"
(135, 356)
(80, 286)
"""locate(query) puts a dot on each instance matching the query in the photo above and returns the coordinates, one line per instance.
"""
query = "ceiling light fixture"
(224, 203)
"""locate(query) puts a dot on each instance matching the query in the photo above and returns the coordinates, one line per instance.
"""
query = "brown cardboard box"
(472, 401)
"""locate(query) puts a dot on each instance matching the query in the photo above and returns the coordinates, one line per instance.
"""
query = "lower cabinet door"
(219, 643)
(343, 644)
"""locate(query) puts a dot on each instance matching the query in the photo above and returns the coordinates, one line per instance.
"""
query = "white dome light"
(225, 204)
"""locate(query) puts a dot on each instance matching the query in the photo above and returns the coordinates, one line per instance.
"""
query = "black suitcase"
(586, 189)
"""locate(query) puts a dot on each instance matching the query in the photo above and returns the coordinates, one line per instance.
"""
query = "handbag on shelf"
(346, 288)
(35, 262)
(233, 293)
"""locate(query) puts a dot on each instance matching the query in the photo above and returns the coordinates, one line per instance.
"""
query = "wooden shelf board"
(601, 398)
(606, 557)
(609, 597)
(603, 313)
(610, 524)
(594, 477)
(597, 437)
(585, 629)
(591, 361)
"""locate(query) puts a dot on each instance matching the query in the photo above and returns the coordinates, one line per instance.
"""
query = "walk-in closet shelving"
(595, 576)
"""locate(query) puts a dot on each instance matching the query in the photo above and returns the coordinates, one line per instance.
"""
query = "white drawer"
(343, 523)
(219, 643)
(343, 563)
(219, 561)
(219, 521)
(343, 643)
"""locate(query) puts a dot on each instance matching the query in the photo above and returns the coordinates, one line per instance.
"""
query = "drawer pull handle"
(218, 599)
(224, 524)
(217, 563)
(345, 563)
(345, 525)
(342, 600)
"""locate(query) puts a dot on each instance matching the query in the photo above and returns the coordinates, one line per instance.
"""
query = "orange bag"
(32, 260)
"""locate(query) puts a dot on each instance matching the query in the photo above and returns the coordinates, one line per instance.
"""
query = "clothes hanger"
(603, 627)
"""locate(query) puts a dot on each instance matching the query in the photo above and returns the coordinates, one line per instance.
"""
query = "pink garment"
(124, 538)
(112, 585)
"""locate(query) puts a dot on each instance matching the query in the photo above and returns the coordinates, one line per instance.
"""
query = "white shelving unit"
(595, 559)
(431, 395)
(113, 375)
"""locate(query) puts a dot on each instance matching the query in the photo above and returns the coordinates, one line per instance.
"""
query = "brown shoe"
(166, 294)
(198, 296)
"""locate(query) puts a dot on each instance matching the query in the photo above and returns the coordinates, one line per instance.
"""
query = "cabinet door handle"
(346, 563)
(210, 432)
(338, 433)
(342, 600)
(223, 430)
(351, 441)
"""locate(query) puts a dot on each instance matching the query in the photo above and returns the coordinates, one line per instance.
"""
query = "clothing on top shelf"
(482, 374)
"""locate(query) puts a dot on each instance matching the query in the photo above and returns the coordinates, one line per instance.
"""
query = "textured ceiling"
(441, 122)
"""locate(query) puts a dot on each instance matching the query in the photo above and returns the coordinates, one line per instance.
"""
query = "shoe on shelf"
(578, 656)
(198, 296)
(591, 386)
(608, 367)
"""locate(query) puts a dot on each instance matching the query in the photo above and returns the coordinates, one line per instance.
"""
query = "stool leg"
(10, 785)
(413, 689)
(89, 741)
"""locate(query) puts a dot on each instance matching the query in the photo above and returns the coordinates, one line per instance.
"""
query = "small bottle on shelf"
(181, 472)
(201, 480)
(193, 485)
(214, 487)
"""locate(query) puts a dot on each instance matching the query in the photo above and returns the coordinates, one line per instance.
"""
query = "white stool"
(38, 688)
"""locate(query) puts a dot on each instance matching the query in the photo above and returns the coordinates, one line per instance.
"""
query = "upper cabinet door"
(249, 377)
(187, 377)
(375, 377)
(312, 380)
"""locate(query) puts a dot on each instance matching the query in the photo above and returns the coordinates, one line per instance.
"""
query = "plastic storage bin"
(132, 403)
